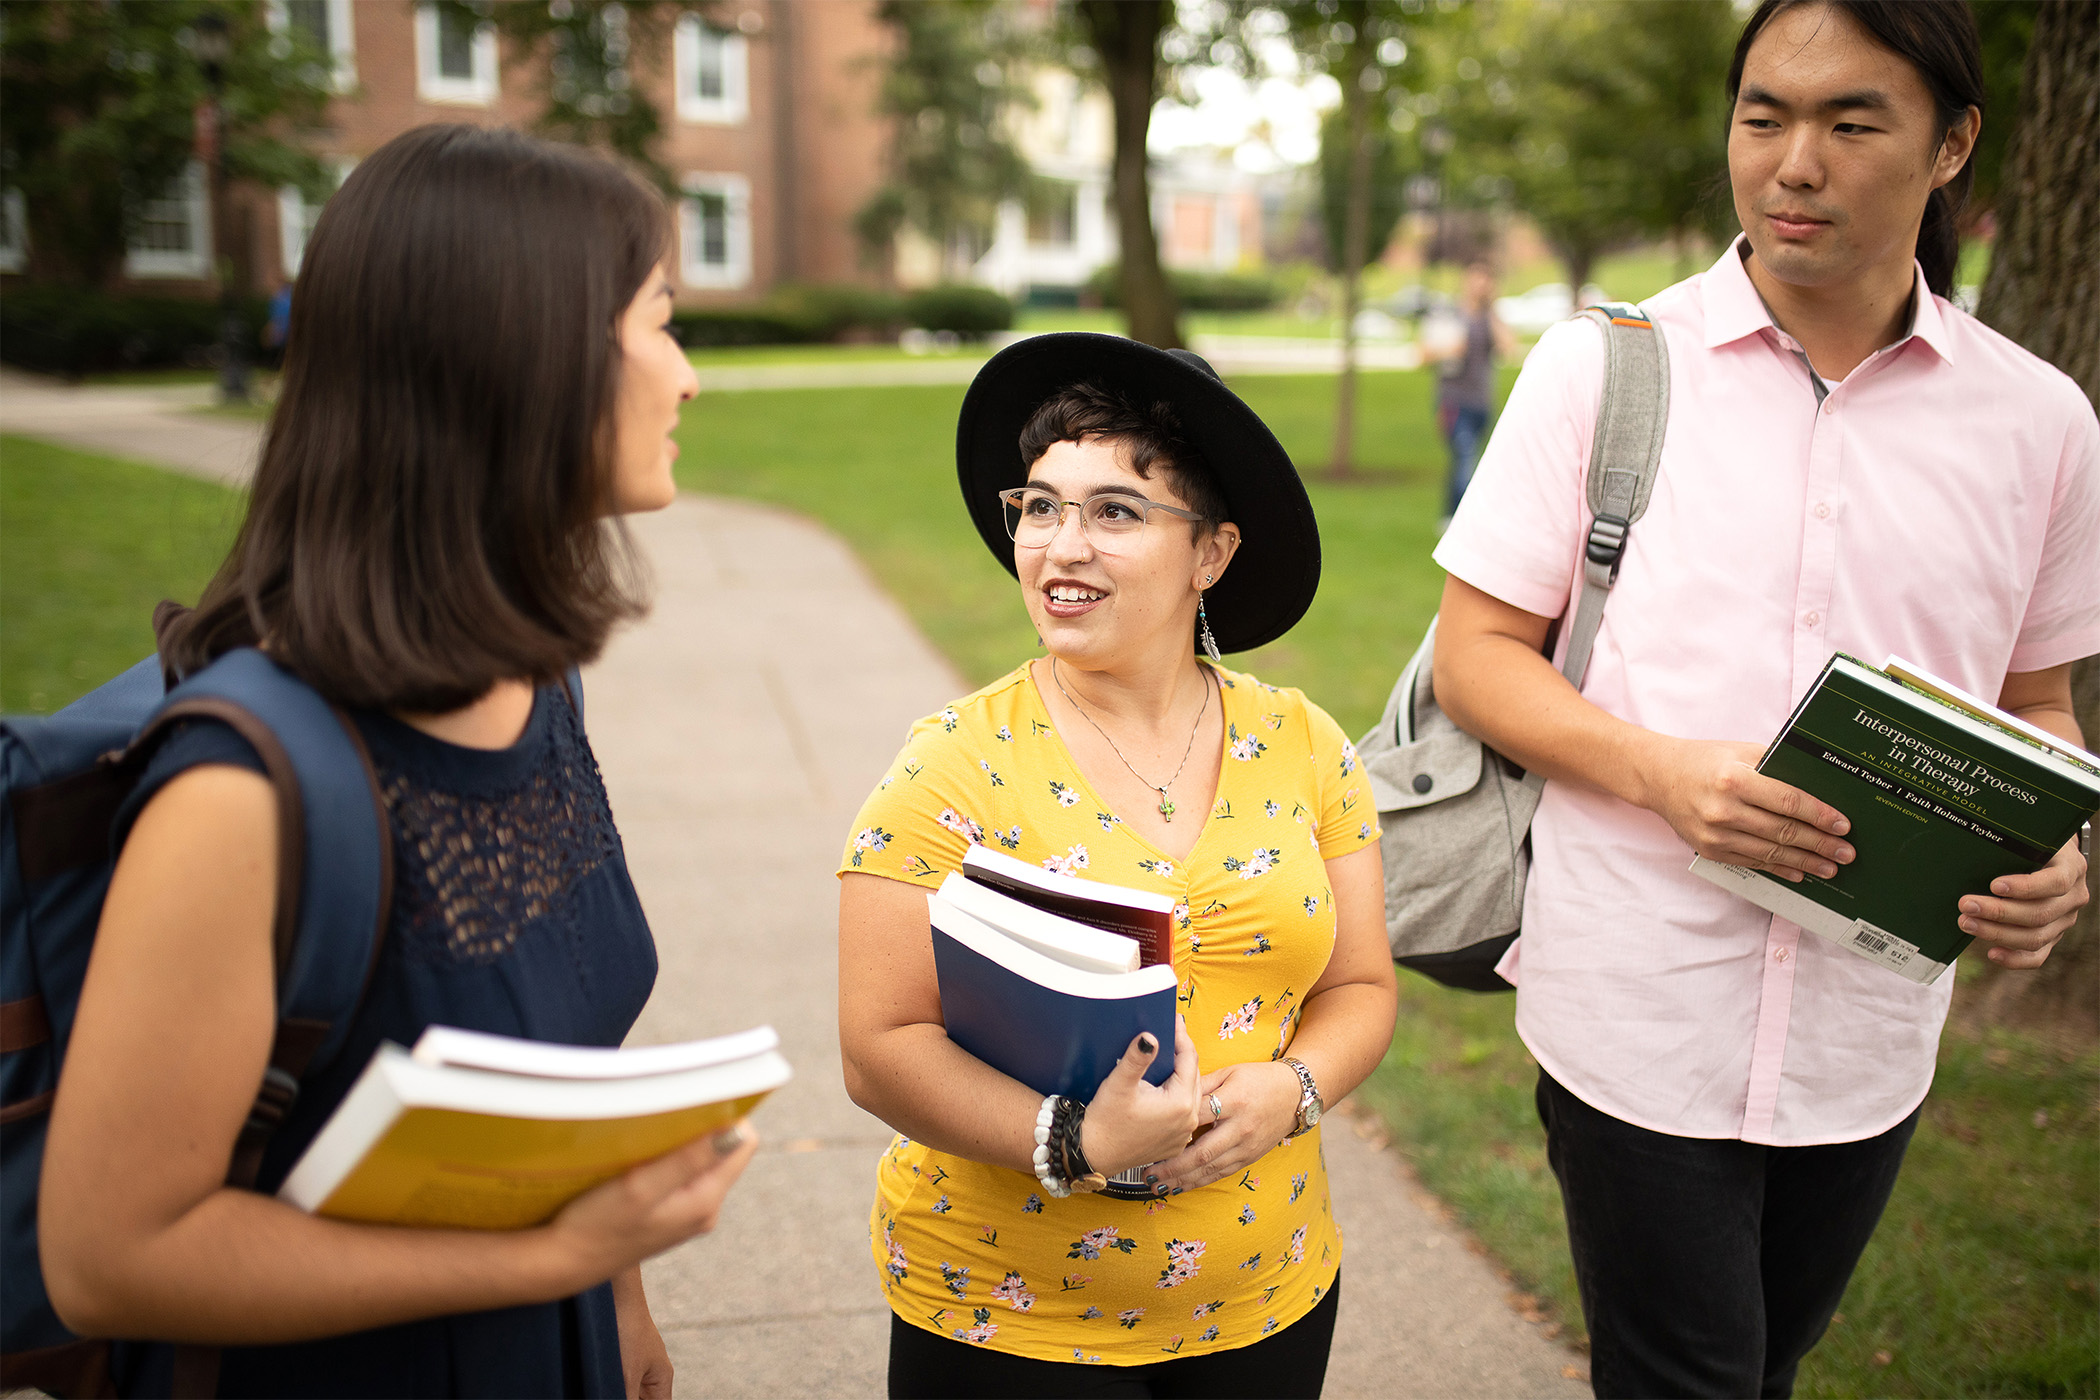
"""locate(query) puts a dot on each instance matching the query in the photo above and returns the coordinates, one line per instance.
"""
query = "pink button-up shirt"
(1943, 503)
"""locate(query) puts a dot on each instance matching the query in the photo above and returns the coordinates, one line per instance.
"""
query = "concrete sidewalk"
(738, 728)
(148, 423)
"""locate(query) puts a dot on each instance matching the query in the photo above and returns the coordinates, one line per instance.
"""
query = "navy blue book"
(1058, 1029)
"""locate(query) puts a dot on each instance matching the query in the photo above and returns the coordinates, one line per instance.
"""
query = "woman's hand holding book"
(1131, 1123)
(651, 1208)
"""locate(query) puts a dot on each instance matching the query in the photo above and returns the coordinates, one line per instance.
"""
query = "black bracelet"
(1065, 1150)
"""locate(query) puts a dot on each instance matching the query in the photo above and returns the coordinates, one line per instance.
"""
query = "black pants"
(1286, 1365)
(1709, 1267)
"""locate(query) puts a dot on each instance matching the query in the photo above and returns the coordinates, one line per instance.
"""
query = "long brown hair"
(427, 517)
(1937, 38)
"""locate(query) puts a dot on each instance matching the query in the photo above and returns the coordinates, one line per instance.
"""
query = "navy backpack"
(62, 779)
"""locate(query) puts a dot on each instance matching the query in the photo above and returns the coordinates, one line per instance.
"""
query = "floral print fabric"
(983, 1254)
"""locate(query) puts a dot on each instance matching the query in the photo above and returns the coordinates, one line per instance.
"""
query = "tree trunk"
(1125, 34)
(1356, 233)
(1579, 261)
(2044, 291)
(2044, 284)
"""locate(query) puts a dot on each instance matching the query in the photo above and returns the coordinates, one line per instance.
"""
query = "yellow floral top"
(983, 1253)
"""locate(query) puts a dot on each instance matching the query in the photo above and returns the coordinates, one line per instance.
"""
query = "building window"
(711, 66)
(1053, 207)
(14, 232)
(173, 235)
(714, 232)
(327, 25)
(296, 217)
(455, 57)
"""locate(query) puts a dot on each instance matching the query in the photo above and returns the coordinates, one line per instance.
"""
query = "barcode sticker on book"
(1879, 945)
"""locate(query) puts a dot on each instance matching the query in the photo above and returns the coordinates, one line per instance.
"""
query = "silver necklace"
(1166, 804)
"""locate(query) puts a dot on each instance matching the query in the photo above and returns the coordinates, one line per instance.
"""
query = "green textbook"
(1944, 792)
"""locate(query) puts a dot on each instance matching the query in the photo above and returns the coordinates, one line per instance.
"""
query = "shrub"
(73, 331)
(1198, 291)
(796, 313)
(739, 325)
(834, 309)
(959, 307)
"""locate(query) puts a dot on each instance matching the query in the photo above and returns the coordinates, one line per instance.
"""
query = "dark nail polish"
(1147, 1044)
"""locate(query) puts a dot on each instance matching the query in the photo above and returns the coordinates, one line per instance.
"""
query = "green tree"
(1361, 44)
(1126, 38)
(581, 57)
(1602, 120)
(102, 103)
(953, 82)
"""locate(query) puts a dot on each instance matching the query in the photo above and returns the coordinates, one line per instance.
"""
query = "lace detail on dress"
(472, 872)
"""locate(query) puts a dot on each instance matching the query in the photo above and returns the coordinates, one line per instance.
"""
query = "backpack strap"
(335, 865)
(335, 880)
(1631, 415)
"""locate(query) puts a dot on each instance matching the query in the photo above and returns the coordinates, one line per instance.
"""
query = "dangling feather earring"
(1210, 643)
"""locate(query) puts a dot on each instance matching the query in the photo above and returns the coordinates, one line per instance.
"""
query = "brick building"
(768, 126)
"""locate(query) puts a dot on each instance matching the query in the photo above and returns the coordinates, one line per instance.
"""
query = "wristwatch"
(1309, 1105)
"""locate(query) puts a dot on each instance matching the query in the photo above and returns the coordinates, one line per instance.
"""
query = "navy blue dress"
(512, 913)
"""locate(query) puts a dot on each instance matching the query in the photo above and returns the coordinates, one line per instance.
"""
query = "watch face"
(1312, 1113)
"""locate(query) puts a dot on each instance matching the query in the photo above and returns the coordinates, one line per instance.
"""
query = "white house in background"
(1206, 211)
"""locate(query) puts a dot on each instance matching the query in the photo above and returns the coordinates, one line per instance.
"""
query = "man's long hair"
(1937, 38)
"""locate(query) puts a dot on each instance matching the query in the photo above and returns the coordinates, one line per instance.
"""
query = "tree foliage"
(953, 81)
(582, 56)
(1604, 121)
(102, 102)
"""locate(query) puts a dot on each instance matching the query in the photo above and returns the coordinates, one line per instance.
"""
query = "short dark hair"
(1937, 38)
(1149, 433)
(428, 515)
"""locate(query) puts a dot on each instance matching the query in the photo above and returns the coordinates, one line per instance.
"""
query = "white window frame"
(477, 90)
(342, 38)
(14, 232)
(734, 105)
(192, 188)
(735, 272)
(294, 216)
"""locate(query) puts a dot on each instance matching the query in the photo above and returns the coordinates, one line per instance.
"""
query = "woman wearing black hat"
(1146, 512)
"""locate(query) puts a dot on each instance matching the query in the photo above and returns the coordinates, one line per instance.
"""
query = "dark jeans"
(1286, 1365)
(1465, 430)
(1709, 1267)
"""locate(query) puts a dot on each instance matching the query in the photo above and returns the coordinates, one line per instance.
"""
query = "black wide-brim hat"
(1276, 571)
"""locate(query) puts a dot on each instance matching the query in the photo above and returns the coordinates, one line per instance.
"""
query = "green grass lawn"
(88, 546)
(1982, 1279)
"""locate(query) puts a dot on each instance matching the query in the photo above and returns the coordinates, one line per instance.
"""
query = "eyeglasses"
(1110, 519)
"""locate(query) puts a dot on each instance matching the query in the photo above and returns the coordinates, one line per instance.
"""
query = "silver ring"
(1217, 1110)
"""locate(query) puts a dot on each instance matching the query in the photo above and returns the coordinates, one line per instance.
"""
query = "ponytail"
(1939, 236)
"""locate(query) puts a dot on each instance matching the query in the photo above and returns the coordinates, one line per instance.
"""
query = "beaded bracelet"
(1045, 1118)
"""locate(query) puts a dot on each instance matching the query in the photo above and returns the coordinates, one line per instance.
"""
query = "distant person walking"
(1465, 379)
(277, 330)
(1850, 463)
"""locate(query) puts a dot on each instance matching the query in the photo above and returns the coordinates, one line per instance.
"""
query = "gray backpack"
(1456, 814)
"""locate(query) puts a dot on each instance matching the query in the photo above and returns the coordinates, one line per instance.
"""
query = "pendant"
(1166, 805)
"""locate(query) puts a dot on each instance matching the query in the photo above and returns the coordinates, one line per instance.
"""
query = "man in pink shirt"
(1850, 463)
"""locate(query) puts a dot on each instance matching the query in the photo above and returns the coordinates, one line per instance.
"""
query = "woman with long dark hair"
(480, 379)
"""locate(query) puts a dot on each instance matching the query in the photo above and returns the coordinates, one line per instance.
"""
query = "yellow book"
(487, 1132)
